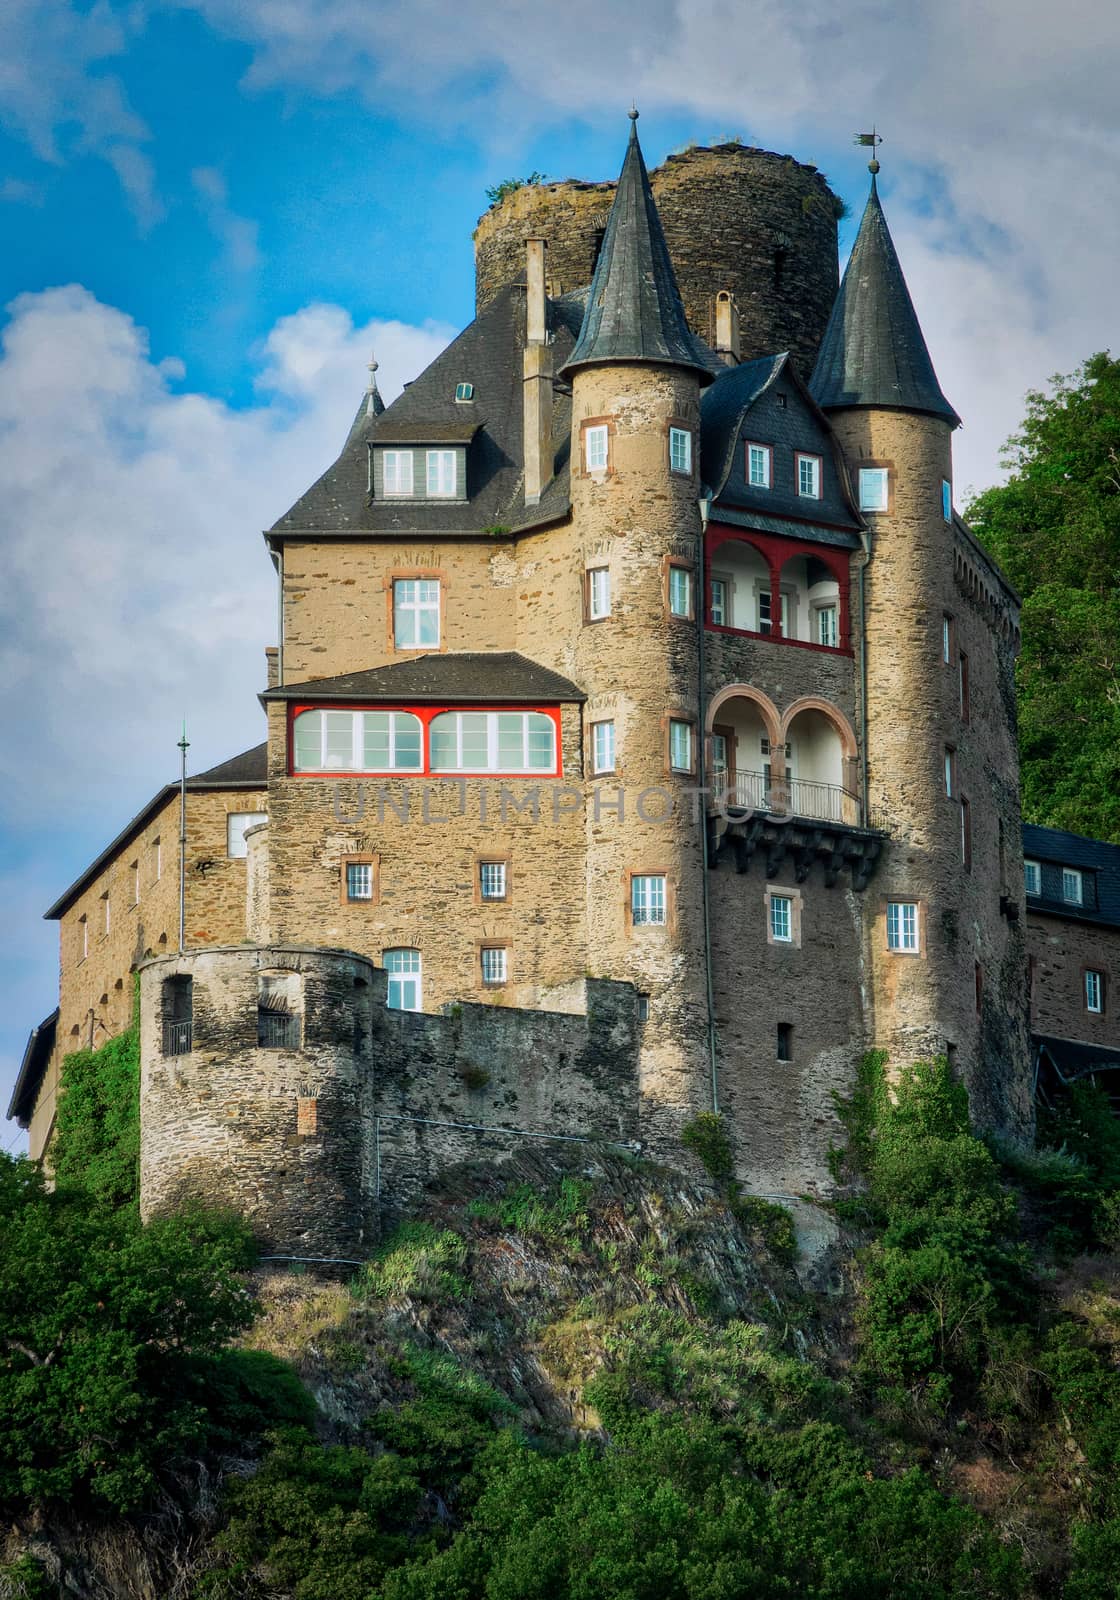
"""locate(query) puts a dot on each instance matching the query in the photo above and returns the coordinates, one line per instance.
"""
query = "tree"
(1054, 527)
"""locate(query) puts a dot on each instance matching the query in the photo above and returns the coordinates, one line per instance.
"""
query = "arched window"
(403, 967)
(493, 741)
(357, 741)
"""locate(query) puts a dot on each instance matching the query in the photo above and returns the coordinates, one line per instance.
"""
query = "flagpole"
(183, 748)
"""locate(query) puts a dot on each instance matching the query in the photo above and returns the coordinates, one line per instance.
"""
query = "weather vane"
(871, 139)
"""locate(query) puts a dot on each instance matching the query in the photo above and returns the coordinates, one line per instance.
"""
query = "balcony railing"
(795, 797)
(277, 1030)
(177, 1038)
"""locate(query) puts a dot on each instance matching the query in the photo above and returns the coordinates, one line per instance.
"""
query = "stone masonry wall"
(758, 224)
(1061, 948)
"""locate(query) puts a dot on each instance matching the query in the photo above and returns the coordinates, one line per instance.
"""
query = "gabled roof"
(499, 677)
(487, 354)
(634, 310)
(40, 1043)
(1055, 846)
(722, 409)
(873, 352)
(246, 771)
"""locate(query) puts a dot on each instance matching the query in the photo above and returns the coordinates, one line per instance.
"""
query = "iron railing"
(795, 797)
(277, 1030)
(177, 1038)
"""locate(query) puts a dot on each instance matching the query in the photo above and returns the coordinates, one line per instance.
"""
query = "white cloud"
(1003, 135)
(56, 93)
(237, 234)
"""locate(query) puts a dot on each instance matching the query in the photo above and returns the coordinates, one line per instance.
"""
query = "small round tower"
(255, 1068)
(759, 225)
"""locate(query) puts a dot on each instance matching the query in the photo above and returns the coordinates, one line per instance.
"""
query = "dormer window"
(759, 465)
(397, 466)
(441, 475)
(808, 469)
(464, 391)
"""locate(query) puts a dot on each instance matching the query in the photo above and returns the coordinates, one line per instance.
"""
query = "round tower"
(636, 373)
(941, 762)
(255, 1065)
(735, 218)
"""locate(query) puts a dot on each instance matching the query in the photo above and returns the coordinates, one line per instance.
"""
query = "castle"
(641, 742)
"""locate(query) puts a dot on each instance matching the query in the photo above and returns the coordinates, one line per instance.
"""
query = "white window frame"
(236, 824)
(359, 887)
(781, 918)
(1073, 886)
(492, 880)
(1094, 991)
(648, 899)
(768, 630)
(602, 746)
(903, 927)
(493, 763)
(680, 745)
(874, 488)
(1032, 877)
(946, 500)
(357, 739)
(596, 448)
(719, 608)
(681, 577)
(804, 458)
(397, 474)
(414, 603)
(442, 474)
(404, 967)
(762, 456)
(680, 451)
(494, 963)
(598, 593)
(464, 392)
(829, 627)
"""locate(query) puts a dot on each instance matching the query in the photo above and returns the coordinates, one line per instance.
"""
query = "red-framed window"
(403, 741)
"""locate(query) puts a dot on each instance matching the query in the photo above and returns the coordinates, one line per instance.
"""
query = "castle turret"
(941, 763)
(636, 373)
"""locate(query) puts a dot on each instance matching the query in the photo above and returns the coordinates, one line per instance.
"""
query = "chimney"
(727, 328)
(537, 376)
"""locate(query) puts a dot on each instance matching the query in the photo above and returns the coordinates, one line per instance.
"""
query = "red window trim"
(425, 713)
(776, 550)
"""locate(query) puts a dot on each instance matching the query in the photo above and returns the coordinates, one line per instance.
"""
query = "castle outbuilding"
(641, 735)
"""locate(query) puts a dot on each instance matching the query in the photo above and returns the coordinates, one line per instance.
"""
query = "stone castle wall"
(737, 218)
(1060, 950)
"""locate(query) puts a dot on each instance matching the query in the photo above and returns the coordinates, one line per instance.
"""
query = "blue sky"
(210, 209)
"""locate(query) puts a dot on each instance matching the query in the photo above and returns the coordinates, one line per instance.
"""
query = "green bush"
(706, 1138)
(97, 1136)
(417, 1261)
(25, 1579)
(557, 1214)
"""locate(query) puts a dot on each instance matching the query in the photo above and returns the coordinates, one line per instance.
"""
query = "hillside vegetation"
(582, 1376)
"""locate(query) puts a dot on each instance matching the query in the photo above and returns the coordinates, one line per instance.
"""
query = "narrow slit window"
(785, 1041)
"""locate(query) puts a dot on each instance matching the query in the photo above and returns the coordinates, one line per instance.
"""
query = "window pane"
(873, 488)
(397, 466)
(1032, 872)
(359, 880)
(647, 899)
(680, 591)
(1071, 886)
(339, 740)
(542, 742)
(441, 472)
(808, 476)
(603, 747)
(758, 466)
(511, 741)
(946, 500)
(680, 746)
(406, 741)
(719, 602)
(375, 741)
(827, 626)
(443, 736)
(781, 918)
(308, 731)
(595, 446)
(680, 450)
(426, 628)
(492, 880)
(493, 965)
(475, 727)
(1093, 991)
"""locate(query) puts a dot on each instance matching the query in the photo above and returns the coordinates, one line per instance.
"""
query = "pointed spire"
(374, 403)
(873, 352)
(634, 310)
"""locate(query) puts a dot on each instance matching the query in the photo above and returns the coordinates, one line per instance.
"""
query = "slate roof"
(498, 676)
(634, 310)
(873, 352)
(40, 1043)
(487, 354)
(1054, 846)
(246, 771)
(722, 409)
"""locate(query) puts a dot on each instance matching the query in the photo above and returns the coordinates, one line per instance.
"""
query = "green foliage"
(508, 186)
(417, 1261)
(772, 1221)
(1072, 1180)
(554, 1215)
(706, 1138)
(1054, 526)
(25, 1579)
(97, 1137)
(109, 1336)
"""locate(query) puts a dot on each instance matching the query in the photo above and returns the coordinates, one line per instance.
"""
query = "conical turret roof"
(634, 310)
(873, 352)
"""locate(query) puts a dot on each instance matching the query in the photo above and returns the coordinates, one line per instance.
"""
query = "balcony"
(794, 797)
(177, 1038)
(799, 818)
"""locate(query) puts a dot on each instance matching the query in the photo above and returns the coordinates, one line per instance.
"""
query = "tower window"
(680, 746)
(680, 451)
(1032, 873)
(415, 613)
(680, 591)
(946, 500)
(785, 1041)
(759, 465)
(494, 965)
(403, 968)
(464, 391)
(808, 475)
(602, 747)
(647, 898)
(396, 466)
(598, 593)
(874, 485)
(950, 772)
(902, 925)
(278, 1019)
(1094, 991)
(595, 446)
(966, 834)
(178, 1010)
